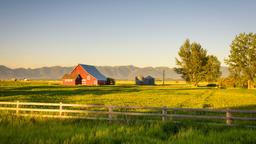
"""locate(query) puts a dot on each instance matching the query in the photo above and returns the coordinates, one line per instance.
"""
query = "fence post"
(17, 108)
(228, 117)
(110, 111)
(60, 109)
(164, 113)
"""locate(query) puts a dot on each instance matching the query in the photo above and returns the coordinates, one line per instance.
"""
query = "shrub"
(233, 82)
(111, 81)
(172, 128)
(212, 85)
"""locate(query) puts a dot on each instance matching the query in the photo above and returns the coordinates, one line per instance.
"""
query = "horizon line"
(11, 67)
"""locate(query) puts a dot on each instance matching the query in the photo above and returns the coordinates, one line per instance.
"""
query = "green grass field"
(54, 131)
(171, 95)
(174, 94)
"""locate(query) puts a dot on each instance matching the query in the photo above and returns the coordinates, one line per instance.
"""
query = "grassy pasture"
(41, 131)
(174, 94)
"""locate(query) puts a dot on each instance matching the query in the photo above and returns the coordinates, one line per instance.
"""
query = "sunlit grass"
(173, 94)
(36, 130)
(177, 94)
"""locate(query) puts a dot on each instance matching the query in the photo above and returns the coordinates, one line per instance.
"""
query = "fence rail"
(62, 110)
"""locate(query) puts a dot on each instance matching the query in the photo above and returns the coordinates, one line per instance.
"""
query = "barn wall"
(102, 82)
(68, 82)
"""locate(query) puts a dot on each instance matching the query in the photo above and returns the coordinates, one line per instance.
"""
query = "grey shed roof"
(149, 77)
(93, 71)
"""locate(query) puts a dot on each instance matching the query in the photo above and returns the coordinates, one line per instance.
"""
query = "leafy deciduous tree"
(212, 68)
(242, 57)
(195, 65)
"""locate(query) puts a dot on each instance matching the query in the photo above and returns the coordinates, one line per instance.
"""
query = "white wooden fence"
(62, 110)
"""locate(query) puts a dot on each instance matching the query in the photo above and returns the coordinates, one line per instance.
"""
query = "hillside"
(117, 72)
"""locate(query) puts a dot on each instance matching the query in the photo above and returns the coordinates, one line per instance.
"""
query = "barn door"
(79, 81)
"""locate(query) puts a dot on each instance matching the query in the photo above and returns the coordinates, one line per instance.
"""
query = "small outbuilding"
(140, 80)
(149, 80)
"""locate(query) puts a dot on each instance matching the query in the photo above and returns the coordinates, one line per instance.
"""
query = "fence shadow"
(244, 107)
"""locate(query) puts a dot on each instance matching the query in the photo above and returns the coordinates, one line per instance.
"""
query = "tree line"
(195, 65)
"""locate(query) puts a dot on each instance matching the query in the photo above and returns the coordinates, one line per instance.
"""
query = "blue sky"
(35, 33)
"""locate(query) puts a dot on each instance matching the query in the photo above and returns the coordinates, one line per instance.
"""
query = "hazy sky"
(35, 33)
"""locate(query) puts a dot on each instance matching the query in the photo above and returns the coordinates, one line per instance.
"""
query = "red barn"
(85, 75)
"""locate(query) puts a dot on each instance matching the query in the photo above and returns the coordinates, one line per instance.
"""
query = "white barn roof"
(93, 71)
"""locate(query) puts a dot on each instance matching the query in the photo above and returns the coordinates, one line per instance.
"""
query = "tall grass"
(36, 130)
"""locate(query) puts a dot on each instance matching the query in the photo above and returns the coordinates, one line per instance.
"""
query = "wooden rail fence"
(62, 110)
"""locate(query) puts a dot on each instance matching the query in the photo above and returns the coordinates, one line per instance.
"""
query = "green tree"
(195, 65)
(212, 68)
(242, 57)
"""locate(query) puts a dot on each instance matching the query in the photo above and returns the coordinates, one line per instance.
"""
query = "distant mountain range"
(116, 72)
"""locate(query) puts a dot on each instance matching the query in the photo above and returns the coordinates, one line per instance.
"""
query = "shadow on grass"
(196, 88)
(65, 90)
(244, 107)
